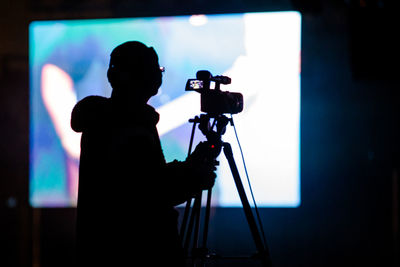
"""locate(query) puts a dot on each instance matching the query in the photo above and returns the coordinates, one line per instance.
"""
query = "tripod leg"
(197, 207)
(262, 250)
(185, 219)
(189, 201)
(193, 216)
(203, 252)
(207, 218)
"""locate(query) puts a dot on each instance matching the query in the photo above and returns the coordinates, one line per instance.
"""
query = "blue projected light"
(259, 51)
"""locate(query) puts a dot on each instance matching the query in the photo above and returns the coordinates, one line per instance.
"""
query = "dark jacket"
(127, 191)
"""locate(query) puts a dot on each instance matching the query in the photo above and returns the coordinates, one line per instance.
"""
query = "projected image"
(259, 51)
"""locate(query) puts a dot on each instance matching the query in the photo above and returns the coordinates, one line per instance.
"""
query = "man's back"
(123, 213)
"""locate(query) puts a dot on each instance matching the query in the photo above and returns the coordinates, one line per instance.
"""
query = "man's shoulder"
(94, 100)
(88, 112)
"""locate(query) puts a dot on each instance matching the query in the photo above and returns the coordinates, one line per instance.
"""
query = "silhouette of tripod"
(192, 227)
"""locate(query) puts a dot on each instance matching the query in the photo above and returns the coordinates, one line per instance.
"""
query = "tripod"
(187, 227)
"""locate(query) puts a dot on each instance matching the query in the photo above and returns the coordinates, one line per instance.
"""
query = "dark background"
(349, 215)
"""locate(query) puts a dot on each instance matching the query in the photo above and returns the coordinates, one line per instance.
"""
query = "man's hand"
(203, 164)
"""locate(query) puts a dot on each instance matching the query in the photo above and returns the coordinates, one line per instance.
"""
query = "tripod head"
(214, 141)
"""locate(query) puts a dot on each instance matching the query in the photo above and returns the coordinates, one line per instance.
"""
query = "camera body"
(214, 101)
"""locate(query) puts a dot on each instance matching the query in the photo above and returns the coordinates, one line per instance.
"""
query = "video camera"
(213, 100)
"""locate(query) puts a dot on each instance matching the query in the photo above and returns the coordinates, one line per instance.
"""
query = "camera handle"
(203, 253)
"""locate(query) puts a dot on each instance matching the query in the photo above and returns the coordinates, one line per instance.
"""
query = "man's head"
(134, 72)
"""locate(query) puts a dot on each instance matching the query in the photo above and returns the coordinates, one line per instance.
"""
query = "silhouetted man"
(127, 192)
